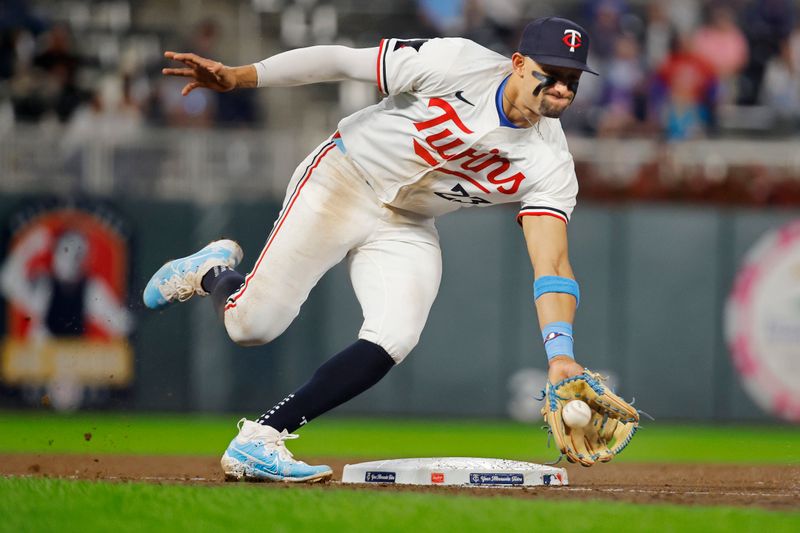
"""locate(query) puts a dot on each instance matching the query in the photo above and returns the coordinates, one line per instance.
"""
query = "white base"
(461, 471)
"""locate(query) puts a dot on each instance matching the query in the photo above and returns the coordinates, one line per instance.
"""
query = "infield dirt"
(767, 486)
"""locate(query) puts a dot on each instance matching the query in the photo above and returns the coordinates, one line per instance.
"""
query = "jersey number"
(462, 196)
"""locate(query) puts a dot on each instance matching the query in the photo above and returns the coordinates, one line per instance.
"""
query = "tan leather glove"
(613, 424)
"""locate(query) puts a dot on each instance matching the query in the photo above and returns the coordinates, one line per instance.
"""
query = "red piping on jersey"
(281, 220)
(378, 66)
(542, 214)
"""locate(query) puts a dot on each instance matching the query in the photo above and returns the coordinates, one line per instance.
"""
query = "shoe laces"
(180, 288)
(279, 442)
(276, 440)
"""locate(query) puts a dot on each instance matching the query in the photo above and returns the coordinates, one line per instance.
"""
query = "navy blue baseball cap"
(556, 41)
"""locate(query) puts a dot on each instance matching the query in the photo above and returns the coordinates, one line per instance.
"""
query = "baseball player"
(460, 126)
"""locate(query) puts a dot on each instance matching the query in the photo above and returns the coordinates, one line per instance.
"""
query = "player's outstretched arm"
(315, 64)
(546, 239)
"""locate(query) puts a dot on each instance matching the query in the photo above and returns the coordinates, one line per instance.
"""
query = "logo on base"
(437, 477)
(496, 479)
(380, 477)
(552, 479)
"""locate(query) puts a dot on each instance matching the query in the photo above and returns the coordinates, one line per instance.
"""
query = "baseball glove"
(613, 424)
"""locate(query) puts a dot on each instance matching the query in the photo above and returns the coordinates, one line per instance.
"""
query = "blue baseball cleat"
(179, 279)
(258, 453)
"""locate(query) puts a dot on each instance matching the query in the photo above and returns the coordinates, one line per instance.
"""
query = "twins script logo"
(474, 166)
(572, 38)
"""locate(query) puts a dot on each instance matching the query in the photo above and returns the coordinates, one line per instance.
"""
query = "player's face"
(553, 88)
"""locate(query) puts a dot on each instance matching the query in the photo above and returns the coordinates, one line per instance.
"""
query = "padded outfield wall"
(654, 279)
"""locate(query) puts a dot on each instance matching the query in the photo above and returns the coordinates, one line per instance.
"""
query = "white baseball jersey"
(436, 142)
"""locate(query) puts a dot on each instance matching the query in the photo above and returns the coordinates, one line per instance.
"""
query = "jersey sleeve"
(415, 65)
(557, 196)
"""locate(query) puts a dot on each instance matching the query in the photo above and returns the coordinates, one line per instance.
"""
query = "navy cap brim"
(558, 61)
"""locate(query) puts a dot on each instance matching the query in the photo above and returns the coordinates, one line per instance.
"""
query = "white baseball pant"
(329, 213)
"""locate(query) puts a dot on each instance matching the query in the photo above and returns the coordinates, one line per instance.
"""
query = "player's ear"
(518, 64)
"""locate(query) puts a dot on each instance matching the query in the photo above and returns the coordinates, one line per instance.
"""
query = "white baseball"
(576, 414)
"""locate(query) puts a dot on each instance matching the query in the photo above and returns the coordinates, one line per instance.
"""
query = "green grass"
(43, 432)
(37, 504)
(60, 505)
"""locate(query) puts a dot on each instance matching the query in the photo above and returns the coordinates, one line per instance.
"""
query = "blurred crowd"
(672, 71)
(47, 75)
(683, 69)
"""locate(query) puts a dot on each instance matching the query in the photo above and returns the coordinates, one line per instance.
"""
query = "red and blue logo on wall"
(64, 277)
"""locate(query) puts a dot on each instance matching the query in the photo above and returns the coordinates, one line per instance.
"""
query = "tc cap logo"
(572, 38)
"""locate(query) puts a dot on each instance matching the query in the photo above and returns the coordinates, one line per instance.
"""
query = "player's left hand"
(205, 73)
(613, 423)
(563, 367)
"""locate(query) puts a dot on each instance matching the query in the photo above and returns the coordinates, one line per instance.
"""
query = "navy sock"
(343, 377)
(221, 282)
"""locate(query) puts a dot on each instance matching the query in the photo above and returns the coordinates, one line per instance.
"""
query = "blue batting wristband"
(557, 337)
(547, 284)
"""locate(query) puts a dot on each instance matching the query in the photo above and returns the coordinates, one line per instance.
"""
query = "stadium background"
(113, 417)
(685, 148)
